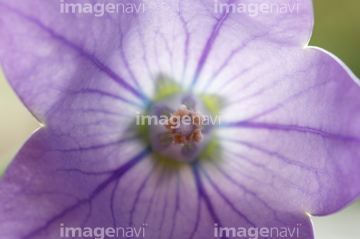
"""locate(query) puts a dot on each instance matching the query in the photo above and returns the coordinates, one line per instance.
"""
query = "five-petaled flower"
(288, 144)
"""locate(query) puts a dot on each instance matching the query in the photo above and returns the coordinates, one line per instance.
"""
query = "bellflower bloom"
(286, 143)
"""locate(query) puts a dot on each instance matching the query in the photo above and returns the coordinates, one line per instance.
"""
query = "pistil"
(185, 126)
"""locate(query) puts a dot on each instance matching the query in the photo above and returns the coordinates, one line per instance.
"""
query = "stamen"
(185, 126)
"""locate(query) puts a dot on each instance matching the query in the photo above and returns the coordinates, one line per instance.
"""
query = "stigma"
(184, 126)
(182, 134)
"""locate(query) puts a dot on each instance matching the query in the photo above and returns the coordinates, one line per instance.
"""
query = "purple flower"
(288, 144)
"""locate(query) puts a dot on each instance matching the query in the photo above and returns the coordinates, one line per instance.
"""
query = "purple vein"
(177, 202)
(138, 193)
(221, 194)
(207, 48)
(115, 176)
(204, 196)
(91, 58)
(295, 128)
(275, 154)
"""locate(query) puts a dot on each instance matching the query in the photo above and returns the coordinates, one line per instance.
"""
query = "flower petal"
(49, 187)
(42, 52)
(45, 59)
(49, 184)
(299, 133)
(85, 169)
(232, 204)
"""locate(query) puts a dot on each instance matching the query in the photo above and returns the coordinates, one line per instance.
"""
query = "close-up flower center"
(179, 127)
(185, 126)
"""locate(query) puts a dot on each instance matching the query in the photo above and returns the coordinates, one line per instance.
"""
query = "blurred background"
(337, 29)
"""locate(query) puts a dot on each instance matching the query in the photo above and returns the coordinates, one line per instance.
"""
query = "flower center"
(178, 129)
(185, 126)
